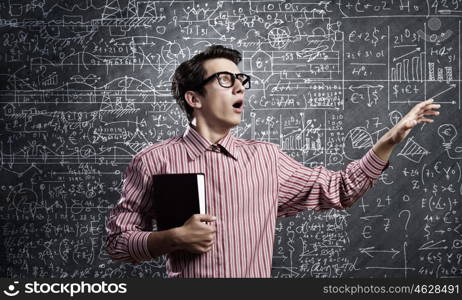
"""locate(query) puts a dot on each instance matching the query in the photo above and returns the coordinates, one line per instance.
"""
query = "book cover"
(176, 197)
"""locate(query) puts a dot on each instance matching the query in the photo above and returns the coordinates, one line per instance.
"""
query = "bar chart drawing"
(440, 74)
(409, 69)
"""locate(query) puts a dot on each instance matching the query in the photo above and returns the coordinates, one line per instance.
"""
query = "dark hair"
(189, 74)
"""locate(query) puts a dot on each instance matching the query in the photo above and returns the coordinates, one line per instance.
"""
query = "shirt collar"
(197, 144)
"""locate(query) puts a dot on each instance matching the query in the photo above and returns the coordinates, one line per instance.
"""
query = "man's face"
(217, 102)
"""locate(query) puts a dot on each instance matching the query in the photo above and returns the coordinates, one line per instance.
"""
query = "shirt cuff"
(372, 165)
(138, 246)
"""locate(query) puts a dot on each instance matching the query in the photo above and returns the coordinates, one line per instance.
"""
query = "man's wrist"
(166, 241)
(175, 238)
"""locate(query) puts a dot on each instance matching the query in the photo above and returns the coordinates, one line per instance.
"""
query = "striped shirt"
(249, 184)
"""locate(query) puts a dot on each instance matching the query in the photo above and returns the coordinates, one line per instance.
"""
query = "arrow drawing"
(451, 86)
(415, 50)
(370, 250)
(432, 245)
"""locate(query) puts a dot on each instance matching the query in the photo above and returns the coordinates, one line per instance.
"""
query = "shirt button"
(216, 148)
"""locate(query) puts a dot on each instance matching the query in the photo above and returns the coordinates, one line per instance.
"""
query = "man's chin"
(231, 123)
(237, 123)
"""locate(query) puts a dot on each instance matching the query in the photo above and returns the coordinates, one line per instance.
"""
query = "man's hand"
(417, 115)
(195, 236)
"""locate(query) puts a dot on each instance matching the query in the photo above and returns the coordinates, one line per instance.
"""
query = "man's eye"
(225, 79)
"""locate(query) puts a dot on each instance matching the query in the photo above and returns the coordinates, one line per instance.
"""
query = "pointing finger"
(424, 104)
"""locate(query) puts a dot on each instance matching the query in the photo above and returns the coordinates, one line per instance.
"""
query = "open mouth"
(238, 104)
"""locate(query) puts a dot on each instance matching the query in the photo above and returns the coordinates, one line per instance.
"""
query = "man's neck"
(213, 135)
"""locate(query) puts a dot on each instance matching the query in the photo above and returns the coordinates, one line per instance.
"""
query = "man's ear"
(193, 99)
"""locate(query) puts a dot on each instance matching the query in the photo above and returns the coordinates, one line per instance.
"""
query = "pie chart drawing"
(356, 143)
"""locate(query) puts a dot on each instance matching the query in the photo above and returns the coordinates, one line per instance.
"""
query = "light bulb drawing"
(448, 133)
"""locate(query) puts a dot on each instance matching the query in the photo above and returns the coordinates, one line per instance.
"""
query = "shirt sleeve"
(129, 223)
(318, 188)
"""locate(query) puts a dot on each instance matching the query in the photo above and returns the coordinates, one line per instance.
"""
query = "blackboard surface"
(84, 85)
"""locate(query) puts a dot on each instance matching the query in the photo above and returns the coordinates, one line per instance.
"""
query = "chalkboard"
(84, 85)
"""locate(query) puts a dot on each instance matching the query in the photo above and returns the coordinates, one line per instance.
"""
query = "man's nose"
(238, 87)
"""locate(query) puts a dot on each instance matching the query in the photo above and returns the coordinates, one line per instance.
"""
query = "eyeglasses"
(227, 79)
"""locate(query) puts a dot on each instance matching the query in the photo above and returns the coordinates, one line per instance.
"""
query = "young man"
(249, 183)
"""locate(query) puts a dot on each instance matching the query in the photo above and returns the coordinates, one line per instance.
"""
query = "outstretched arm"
(418, 114)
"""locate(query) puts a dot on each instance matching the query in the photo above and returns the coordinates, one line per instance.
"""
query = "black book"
(176, 197)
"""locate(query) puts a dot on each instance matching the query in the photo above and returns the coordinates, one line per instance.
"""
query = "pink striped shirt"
(249, 184)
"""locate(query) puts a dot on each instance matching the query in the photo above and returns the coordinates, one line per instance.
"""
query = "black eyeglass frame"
(234, 76)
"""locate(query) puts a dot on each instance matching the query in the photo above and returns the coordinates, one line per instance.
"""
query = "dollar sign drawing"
(395, 90)
(374, 35)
